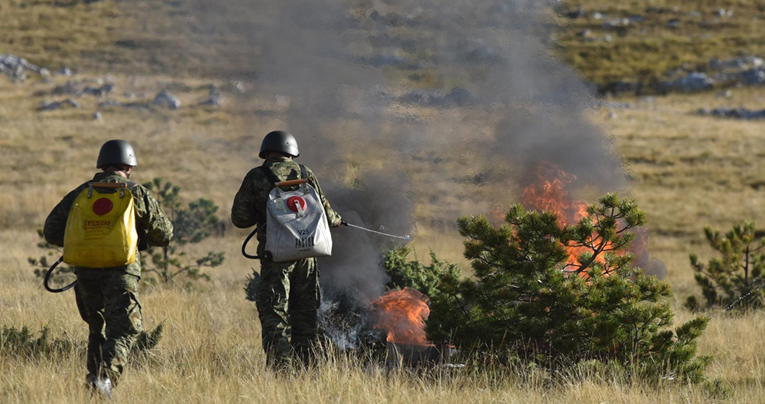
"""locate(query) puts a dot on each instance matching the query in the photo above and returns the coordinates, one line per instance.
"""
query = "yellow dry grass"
(690, 171)
(57, 33)
(211, 353)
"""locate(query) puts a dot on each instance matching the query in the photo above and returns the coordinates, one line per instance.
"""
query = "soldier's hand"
(337, 223)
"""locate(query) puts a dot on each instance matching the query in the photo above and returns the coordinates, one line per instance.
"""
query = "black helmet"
(116, 152)
(279, 141)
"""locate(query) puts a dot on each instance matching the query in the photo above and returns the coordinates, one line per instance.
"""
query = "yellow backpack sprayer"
(100, 230)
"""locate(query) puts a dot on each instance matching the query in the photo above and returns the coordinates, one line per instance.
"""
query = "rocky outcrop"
(54, 105)
(457, 97)
(17, 67)
(691, 83)
(734, 113)
(214, 98)
(167, 99)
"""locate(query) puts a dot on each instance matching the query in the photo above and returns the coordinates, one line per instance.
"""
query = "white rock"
(167, 99)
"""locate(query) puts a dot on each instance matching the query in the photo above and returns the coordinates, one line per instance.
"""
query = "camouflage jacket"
(250, 202)
(154, 228)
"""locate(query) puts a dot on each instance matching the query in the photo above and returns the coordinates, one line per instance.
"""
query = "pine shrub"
(736, 276)
(22, 343)
(528, 301)
(415, 274)
(192, 224)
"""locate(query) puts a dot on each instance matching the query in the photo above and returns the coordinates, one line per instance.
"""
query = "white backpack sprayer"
(296, 223)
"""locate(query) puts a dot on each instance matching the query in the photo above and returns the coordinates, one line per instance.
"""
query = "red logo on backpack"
(102, 206)
(294, 201)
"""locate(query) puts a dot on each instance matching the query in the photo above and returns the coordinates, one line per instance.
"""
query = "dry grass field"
(689, 171)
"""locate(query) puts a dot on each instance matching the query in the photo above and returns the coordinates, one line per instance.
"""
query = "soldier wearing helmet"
(288, 294)
(107, 298)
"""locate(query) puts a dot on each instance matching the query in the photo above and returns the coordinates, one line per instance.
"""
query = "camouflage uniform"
(289, 291)
(107, 298)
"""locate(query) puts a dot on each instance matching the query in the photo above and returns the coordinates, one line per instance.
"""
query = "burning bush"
(415, 274)
(737, 276)
(531, 300)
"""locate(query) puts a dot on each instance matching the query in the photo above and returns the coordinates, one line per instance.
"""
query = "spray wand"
(406, 237)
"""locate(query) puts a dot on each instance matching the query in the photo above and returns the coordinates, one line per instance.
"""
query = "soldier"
(107, 298)
(288, 295)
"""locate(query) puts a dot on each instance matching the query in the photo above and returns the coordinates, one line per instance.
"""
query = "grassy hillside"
(688, 170)
(640, 42)
(643, 41)
(62, 33)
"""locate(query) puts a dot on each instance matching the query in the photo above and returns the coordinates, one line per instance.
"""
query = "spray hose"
(244, 246)
(48, 276)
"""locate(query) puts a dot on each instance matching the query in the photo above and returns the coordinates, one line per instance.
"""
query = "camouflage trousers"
(108, 302)
(288, 302)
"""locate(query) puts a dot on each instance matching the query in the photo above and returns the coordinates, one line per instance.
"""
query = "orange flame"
(403, 314)
(549, 194)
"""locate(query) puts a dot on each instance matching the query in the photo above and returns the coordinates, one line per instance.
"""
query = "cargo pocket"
(317, 286)
(83, 307)
(134, 313)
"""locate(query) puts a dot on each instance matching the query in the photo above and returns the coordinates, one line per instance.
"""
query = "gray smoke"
(390, 81)
(502, 50)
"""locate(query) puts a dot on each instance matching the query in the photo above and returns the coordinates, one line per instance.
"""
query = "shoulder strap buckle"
(114, 185)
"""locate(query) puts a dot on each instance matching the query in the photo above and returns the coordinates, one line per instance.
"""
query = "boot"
(102, 385)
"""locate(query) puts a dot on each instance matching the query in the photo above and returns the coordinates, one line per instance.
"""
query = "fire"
(549, 193)
(403, 314)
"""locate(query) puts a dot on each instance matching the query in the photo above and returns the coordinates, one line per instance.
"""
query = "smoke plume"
(371, 87)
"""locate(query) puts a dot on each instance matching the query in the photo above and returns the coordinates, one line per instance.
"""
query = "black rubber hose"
(48, 275)
(244, 246)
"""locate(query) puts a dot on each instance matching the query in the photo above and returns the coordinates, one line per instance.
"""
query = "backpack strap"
(303, 174)
(143, 243)
(272, 178)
